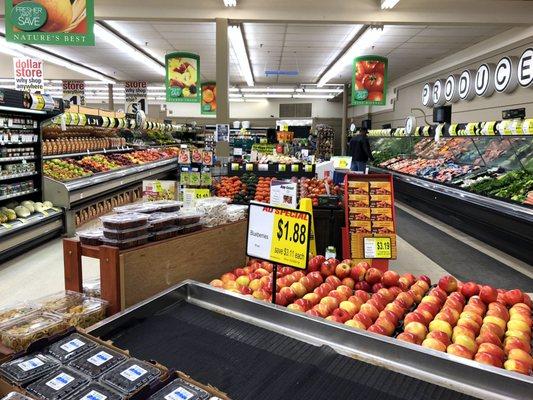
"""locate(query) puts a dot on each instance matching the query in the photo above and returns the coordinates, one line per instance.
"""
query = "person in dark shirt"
(359, 150)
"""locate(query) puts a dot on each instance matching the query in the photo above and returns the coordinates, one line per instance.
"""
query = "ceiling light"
(234, 89)
(239, 48)
(367, 39)
(313, 96)
(336, 90)
(240, 100)
(387, 4)
(230, 3)
(268, 96)
(268, 90)
(115, 40)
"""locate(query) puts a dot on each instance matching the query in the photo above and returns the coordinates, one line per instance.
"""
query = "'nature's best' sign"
(182, 77)
(503, 77)
(60, 22)
(369, 81)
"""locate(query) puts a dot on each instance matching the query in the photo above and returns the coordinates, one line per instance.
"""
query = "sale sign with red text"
(29, 75)
(369, 81)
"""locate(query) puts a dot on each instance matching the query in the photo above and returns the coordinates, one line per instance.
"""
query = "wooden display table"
(130, 276)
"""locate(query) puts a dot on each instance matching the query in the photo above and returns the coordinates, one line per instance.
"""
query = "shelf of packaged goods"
(86, 153)
(10, 159)
(381, 357)
(14, 195)
(15, 176)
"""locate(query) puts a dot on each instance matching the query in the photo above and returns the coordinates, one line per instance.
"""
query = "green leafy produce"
(514, 186)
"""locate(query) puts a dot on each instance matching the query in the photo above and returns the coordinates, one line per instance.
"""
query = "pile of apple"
(491, 326)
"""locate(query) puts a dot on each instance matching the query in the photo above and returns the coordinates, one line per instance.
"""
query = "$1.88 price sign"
(278, 235)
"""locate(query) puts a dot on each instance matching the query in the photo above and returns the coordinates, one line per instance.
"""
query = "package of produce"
(147, 208)
(180, 389)
(361, 226)
(92, 237)
(166, 233)
(70, 347)
(380, 188)
(97, 361)
(124, 221)
(19, 333)
(14, 311)
(237, 212)
(382, 227)
(167, 205)
(162, 220)
(92, 288)
(97, 391)
(60, 300)
(359, 213)
(58, 385)
(130, 376)
(16, 396)
(187, 217)
(215, 211)
(124, 234)
(191, 228)
(381, 214)
(357, 187)
(358, 200)
(127, 243)
(89, 312)
(380, 200)
(28, 368)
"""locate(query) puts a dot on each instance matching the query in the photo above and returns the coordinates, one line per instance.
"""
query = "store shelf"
(86, 153)
(14, 195)
(18, 143)
(10, 159)
(15, 176)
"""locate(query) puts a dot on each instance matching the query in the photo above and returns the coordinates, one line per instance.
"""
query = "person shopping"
(359, 150)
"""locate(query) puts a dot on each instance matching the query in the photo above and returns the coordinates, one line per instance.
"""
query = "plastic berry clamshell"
(162, 220)
(91, 238)
(58, 385)
(97, 391)
(188, 217)
(129, 377)
(16, 396)
(124, 234)
(14, 311)
(128, 243)
(97, 361)
(180, 389)
(124, 221)
(70, 347)
(90, 311)
(28, 368)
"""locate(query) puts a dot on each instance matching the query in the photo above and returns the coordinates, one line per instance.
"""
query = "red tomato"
(380, 67)
(359, 71)
(374, 82)
(359, 85)
(369, 66)
(375, 96)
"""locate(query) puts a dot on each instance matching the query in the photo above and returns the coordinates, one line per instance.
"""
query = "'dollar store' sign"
(504, 77)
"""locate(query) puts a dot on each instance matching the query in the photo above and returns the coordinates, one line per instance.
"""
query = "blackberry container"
(131, 376)
(70, 347)
(124, 221)
(161, 220)
(97, 391)
(91, 238)
(124, 234)
(127, 243)
(191, 228)
(97, 361)
(180, 389)
(16, 396)
(58, 385)
(165, 234)
(28, 368)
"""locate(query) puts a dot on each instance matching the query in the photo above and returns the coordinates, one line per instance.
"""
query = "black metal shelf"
(15, 176)
(22, 158)
(14, 195)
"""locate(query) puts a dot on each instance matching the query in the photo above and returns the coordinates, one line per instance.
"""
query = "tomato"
(369, 66)
(359, 85)
(359, 71)
(374, 82)
(375, 96)
(380, 67)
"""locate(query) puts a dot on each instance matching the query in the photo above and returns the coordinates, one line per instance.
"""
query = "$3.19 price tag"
(375, 247)
(278, 235)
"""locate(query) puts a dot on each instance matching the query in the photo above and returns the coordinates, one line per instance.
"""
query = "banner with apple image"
(369, 81)
(182, 77)
(209, 98)
(59, 22)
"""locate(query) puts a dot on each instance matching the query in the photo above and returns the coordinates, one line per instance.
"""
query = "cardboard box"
(382, 227)
(380, 188)
(356, 187)
(360, 226)
(381, 214)
(160, 190)
(358, 200)
(380, 200)
(359, 214)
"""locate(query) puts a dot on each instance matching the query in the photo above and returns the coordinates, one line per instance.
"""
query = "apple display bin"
(253, 349)
(130, 276)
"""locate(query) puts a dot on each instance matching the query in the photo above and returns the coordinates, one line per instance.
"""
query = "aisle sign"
(378, 247)
(278, 235)
(29, 75)
(74, 91)
(136, 96)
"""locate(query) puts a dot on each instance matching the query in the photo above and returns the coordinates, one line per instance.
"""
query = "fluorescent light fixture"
(234, 89)
(234, 95)
(236, 39)
(267, 90)
(367, 39)
(388, 4)
(307, 90)
(240, 100)
(115, 40)
(230, 3)
(313, 96)
(267, 96)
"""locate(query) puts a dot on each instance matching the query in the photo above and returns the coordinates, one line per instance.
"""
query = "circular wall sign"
(466, 89)
(438, 93)
(451, 92)
(505, 81)
(28, 16)
(525, 68)
(484, 82)
(410, 125)
(427, 98)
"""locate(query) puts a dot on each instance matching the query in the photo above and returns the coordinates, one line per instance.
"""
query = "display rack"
(324, 142)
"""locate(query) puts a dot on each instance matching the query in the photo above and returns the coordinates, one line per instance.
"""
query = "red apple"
(493, 349)
(395, 290)
(316, 277)
(440, 336)
(363, 264)
(466, 341)
(369, 310)
(376, 287)
(488, 294)
(362, 286)
(293, 306)
(489, 337)
(441, 326)
(395, 308)
(345, 290)
(416, 328)
(477, 318)
(348, 261)
(434, 344)
(306, 304)
(356, 301)
(408, 337)
(298, 289)
(312, 297)
(348, 282)
(425, 278)
(492, 328)
(281, 300)
(245, 290)
(323, 310)
(517, 366)
(390, 315)
(338, 295)
(521, 355)
(313, 312)
(363, 295)
(474, 309)
(514, 296)
(458, 296)
(470, 289)
(414, 317)
(403, 283)
(331, 302)
(228, 276)
(388, 325)
(289, 294)
(459, 351)
(327, 269)
(314, 264)
(363, 318)
(342, 270)
(410, 277)
(372, 276)
(261, 294)
(406, 298)
(390, 278)
(423, 285)
(239, 272)
(357, 273)
(349, 307)
(343, 315)
(298, 275)
(290, 279)
(515, 343)
(377, 329)
(460, 330)
(334, 318)
(355, 324)
(308, 283)
(441, 294)
(445, 316)
(488, 359)
(376, 303)
(448, 283)
(217, 283)
(432, 308)
(333, 280)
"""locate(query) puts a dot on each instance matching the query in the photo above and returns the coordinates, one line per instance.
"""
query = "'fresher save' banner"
(369, 81)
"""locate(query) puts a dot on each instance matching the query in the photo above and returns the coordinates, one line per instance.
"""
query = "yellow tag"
(453, 130)
(295, 168)
(376, 247)
(202, 193)
(7, 226)
(234, 166)
(282, 167)
(308, 168)
(290, 239)
(490, 128)
(528, 127)
(249, 167)
(83, 120)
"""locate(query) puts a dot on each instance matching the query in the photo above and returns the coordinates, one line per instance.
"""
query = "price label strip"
(279, 235)
(376, 247)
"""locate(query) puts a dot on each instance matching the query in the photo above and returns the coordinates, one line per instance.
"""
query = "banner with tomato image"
(209, 98)
(369, 81)
(182, 77)
(59, 22)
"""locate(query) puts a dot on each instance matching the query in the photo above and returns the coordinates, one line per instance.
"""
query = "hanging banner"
(369, 81)
(60, 22)
(74, 91)
(136, 96)
(182, 77)
(29, 75)
(209, 98)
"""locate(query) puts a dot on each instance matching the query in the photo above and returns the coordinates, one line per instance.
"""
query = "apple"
(519, 308)
(466, 341)
(396, 309)
(313, 298)
(395, 290)
(417, 297)
(416, 328)
(322, 291)
(432, 299)
(228, 276)
(298, 275)
(217, 283)
(445, 315)
(388, 314)
(228, 285)
(515, 343)
(343, 315)
(333, 280)
(327, 269)
(488, 359)
(290, 279)
(373, 275)
(245, 290)
(363, 264)
(425, 278)
(459, 351)
(255, 284)
(345, 290)
(388, 325)
(313, 312)
(348, 282)
(414, 317)
(493, 349)
(519, 334)
(363, 295)
(441, 294)
(298, 289)
(448, 283)
(243, 280)
(289, 294)
(356, 301)
(434, 344)
(514, 296)
(390, 278)
(523, 318)
(463, 331)
(349, 307)
(406, 298)
(315, 263)
(430, 307)
(476, 317)
(496, 329)
(376, 287)
(495, 320)
(357, 273)
(362, 286)
(260, 294)
(369, 310)
(363, 318)
(458, 296)
(316, 277)
(477, 302)
(440, 336)
(441, 326)
(377, 304)
(488, 294)
(294, 307)
(281, 299)
(282, 282)
(473, 309)
(377, 329)
(489, 337)
(453, 303)
(348, 261)
(338, 295)
(528, 301)
(342, 270)
(418, 290)
(355, 324)
(469, 323)
(408, 337)
(239, 272)
(518, 325)
(262, 272)
(306, 304)
(403, 283)
(517, 366)
(422, 284)
(308, 283)
(323, 310)
(334, 318)
(331, 302)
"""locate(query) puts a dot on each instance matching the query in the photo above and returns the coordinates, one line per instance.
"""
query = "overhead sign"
(283, 193)
(369, 81)
(182, 77)
(278, 235)
(59, 22)
(136, 96)
(209, 98)
(74, 91)
(503, 77)
(29, 75)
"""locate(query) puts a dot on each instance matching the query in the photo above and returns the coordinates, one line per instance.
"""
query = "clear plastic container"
(15, 311)
(166, 233)
(131, 376)
(191, 228)
(162, 220)
(128, 243)
(16, 396)
(124, 221)
(91, 288)
(167, 205)
(19, 333)
(70, 347)
(123, 234)
(188, 217)
(91, 238)
(58, 385)
(90, 311)
(60, 300)
(28, 368)
(97, 391)
(180, 389)
(97, 361)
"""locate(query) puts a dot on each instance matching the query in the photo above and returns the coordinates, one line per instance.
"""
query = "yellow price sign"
(234, 166)
(202, 193)
(282, 167)
(249, 167)
(295, 168)
(279, 235)
(377, 247)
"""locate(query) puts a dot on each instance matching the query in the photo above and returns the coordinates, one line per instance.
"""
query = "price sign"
(249, 167)
(282, 167)
(376, 247)
(278, 235)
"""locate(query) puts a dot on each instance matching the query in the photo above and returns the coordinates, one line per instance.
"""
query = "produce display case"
(297, 343)
(483, 179)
